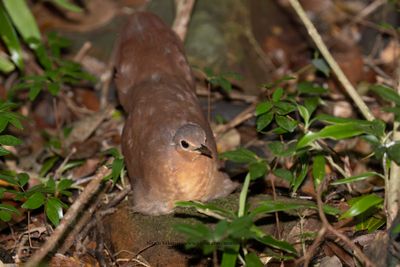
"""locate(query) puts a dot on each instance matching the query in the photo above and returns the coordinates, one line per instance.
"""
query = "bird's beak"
(204, 151)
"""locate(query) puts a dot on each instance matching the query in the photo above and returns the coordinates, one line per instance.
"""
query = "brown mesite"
(167, 142)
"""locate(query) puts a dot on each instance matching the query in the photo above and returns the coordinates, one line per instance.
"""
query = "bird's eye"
(184, 144)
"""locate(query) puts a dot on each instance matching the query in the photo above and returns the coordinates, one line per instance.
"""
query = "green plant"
(294, 120)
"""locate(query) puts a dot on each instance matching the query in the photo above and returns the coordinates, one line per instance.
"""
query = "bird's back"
(148, 50)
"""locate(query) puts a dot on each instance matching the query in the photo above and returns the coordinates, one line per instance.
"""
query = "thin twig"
(312, 31)
(69, 218)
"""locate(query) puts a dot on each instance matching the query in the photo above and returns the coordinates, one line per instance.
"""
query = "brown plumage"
(168, 145)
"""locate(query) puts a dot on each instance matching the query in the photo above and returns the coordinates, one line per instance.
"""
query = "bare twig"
(239, 119)
(69, 218)
(393, 186)
(312, 31)
(183, 11)
(328, 228)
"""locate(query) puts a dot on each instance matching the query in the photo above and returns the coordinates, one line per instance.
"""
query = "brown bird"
(168, 145)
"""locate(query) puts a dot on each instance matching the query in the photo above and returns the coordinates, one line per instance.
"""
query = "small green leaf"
(229, 257)
(356, 178)
(270, 206)
(240, 155)
(6, 66)
(318, 170)
(257, 169)
(252, 260)
(335, 132)
(286, 123)
(280, 149)
(285, 174)
(9, 140)
(277, 95)
(5, 215)
(10, 38)
(53, 210)
(68, 5)
(48, 165)
(282, 245)
(117, 167)
(23, 20)
(371, 224)
(284, 108)
(35, 201)
(310, 88)
(393, 152)
(298, 180)
(303, 111)
(263, 107)
(264, 120)
(321, 65)
(361, 205)
(23, 178)
(64, 184)
(387, 93)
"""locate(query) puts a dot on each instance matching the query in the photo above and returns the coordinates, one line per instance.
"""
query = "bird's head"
(191, 138)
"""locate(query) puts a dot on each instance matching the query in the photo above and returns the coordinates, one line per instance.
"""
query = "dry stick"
(335, 232)
(393, 188)
(183, 11)
(312, 31)
(69, 218)
(239, 119)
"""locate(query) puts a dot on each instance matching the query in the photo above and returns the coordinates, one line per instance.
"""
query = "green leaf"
(284, 108)
(23, 178)
(206, 208)
(321, 65)
(53, 210)
(386, 93)
(6, 66)
(280, 149)
(318, 170)
(229, 257)
(240, 155)
(35, 201)
(252, 260)
(311, 103)
(303, 111)
(285, 174)
(10, 38)
(9, 208)
(64, 184)
(257, 169)
(263, 107)
(335, 132)
(68, 5)
(371, 224)
(362, 204)
(393, 152)
(286, 123)
(117, 167)
(356, 178)
(4, 151)
(9, 140)
(270, 206)
(298, 180)
(5, 216)
(272, 242)
(23, 20)
(264, 120)
(48, 165)
(277, 95)
(310, 88)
